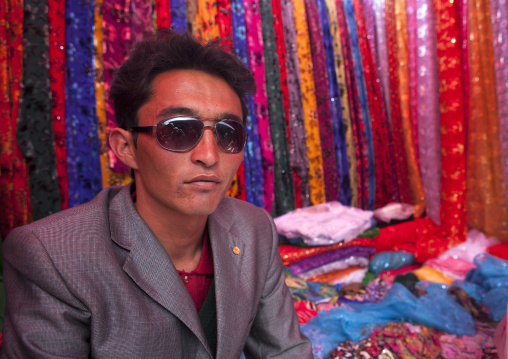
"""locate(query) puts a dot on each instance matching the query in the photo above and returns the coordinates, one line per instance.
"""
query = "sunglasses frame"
(153, 129)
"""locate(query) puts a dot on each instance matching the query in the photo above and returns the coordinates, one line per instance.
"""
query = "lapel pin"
(236, 250)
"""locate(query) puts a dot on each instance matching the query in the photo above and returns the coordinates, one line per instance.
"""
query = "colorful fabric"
(283, 176)
(316, 174)
(35, 128)
(163, 15)
(178, 15)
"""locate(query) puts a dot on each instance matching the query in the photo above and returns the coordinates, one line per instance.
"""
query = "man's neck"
(181, 236)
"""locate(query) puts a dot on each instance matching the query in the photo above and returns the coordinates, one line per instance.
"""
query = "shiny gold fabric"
(403, 72)
(486, 200)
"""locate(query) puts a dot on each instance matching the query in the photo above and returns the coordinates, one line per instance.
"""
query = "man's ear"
(122, 144)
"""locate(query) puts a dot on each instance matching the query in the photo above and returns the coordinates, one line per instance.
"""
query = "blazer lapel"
(149, 265)
(228, 251)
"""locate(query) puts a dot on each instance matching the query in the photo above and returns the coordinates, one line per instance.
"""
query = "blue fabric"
(436, 309)
(178, 15)
(252, 154)
(390, 260)
(362, 89)
(339, 131)
(83, 162)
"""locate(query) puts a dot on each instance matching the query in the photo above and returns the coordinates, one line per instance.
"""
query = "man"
(167, 267)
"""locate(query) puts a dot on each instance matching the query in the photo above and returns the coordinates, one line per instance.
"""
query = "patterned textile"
(283, 176)
(178, 15)
(15, 208)
(83, 163)
(487, 208)
(35, 127)
(163, 18)
(297, 142)
(316, 174)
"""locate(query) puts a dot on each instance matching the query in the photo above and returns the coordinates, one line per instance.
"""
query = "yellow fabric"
(340, 72)
(316, 178)
(109, 178)
(205, 28)
(403, 72)
(486, 200)
(432, 275)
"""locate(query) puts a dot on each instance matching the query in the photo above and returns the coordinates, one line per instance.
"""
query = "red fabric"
(199, 280)
(396, 272)
(384, 187)
(56, 19)
(499, 250)
(163, 13)
(303, 312)
(422, 237)
(223, 19)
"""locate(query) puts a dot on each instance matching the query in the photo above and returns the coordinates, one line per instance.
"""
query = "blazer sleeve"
(42, 317)
(275, 332)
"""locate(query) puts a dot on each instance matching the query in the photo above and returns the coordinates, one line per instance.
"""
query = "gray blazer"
(94, 281)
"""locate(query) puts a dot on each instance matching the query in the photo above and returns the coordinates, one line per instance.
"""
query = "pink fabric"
(455, 268)
(257, 66)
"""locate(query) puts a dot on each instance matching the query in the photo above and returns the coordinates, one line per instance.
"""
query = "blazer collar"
(148, 264)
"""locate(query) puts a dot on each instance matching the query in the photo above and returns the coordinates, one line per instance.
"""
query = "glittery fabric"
(56, 20)
(316, 176)
(395, 109)
(252, 152)
(257, 66)
(322, 101)
(35, 127)
(487, 209)
(365, 126)
(281, 52)
(411, 66)
(344, 104)
(117, 43)
(15, 207)
(384, 184)
(428, 107)
(499, 16)
(283, 176)
(354, 106)
(163, 18)
(336, 110)
(297, 143)
(453, 137)
(141, 17)
(83, 163)
(178, 15)
(418, 197)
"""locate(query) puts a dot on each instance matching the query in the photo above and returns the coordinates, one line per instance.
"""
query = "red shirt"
(199, 280)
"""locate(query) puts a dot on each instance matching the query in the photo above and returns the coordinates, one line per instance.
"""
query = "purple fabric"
(328, 257)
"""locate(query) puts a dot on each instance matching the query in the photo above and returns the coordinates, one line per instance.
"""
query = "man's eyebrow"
(174, 111)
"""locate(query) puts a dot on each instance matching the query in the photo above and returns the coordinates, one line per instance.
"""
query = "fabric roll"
(322, 101)
(56, 20)
(257, 66)
(499, 16)
(252, 152)
(85, 175)
(383, 180)
(411, 67)
(283, 176)
(298, 140)
(355, 111)
(316, 175)
(178, 15)
(428, 107)
(336, 110)
(344, 102)
(16, 207)
(35, 128)
(204, 25)
(163, 15)
(117, 43)
(487, 209)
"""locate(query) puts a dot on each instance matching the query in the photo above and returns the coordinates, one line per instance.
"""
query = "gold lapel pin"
(236, 250)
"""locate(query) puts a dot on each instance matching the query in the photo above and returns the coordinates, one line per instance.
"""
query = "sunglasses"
(182, 133)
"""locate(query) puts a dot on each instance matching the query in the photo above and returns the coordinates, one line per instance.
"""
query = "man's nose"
(207, 149)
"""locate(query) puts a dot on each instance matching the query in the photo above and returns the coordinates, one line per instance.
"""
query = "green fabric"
(208, 318)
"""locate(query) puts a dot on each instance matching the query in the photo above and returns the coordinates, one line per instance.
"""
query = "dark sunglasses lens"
(230, 135)
(179, 134)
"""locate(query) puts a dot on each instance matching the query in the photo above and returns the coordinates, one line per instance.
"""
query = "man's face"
(188, 183)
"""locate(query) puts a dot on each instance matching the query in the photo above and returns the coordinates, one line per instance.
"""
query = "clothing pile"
(364, 287)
